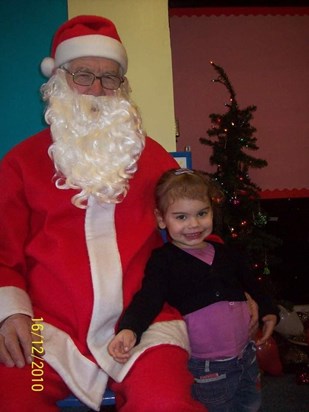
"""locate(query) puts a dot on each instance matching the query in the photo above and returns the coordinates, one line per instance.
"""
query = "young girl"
(206, 282)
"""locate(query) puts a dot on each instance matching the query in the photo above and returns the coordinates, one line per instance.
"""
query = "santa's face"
(96, 65)
(97, 140)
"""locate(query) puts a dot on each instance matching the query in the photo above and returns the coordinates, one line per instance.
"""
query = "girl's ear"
(160, 220)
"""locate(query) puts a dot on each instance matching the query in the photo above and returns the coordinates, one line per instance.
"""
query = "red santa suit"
(78, 269)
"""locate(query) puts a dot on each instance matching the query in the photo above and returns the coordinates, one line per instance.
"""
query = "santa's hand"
(269, 322)
(16, 341)
(120, 346)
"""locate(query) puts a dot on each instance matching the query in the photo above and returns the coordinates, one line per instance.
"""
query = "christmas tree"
(241, 222)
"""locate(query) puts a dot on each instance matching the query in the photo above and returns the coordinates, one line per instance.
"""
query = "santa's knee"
(26, 389)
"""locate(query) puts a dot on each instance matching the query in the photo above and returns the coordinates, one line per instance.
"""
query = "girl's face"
(188, 222)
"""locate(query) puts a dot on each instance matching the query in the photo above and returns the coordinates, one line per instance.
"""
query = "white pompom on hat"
(85, 36)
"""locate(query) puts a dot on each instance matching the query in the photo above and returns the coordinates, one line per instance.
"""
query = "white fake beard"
(97, 141)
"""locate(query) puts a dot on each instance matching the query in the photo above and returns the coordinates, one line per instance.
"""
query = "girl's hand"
(254, 316)
(269, 322)
(120, 346)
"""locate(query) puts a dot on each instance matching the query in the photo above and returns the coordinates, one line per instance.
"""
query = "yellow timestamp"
(37, 350)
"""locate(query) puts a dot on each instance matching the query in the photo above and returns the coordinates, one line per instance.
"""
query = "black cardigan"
(187, 283)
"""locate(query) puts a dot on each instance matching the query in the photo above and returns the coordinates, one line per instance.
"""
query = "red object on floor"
(268, 356)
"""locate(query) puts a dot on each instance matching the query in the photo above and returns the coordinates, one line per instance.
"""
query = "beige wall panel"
(144, 29)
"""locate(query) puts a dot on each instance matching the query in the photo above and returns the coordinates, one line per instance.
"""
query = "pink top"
(220, 330)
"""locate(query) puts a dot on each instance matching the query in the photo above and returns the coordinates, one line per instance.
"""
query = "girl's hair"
(185, 183)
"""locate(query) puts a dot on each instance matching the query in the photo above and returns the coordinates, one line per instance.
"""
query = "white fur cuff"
(14, 300)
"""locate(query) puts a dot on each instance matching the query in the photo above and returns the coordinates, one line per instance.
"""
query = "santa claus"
(77, 227)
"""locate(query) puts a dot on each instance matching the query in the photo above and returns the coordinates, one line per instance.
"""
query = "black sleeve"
(149, 300)
(255, 289)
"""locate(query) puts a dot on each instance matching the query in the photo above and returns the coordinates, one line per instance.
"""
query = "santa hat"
(85, 36)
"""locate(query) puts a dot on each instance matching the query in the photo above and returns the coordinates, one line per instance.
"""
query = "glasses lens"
(110, 82)
(83, 78)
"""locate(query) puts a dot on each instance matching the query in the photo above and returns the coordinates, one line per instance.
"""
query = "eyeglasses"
(108, 81)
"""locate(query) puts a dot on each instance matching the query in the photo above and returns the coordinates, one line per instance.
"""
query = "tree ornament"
(302, 377)
(235, 201)
(259, 219)
(266, 270)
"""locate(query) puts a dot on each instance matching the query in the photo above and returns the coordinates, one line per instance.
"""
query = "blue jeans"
(228, 386)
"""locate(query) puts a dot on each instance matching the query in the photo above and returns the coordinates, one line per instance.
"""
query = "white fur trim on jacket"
(106, 272)
(85, 379)
(14, 300)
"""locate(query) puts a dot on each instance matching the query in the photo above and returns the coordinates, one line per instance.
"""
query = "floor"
(283, 394)
(279, 393)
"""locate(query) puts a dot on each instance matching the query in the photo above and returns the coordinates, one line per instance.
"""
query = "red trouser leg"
(159, 381)
(16, 394)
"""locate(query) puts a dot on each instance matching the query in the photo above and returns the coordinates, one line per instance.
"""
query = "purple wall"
(266, 58)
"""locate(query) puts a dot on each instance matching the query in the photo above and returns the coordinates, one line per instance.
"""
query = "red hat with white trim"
(85, 36)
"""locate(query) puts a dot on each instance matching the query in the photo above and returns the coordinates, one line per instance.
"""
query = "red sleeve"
(22, 173)
(14, 224)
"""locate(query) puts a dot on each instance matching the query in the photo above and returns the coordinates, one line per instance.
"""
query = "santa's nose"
(96, 89)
